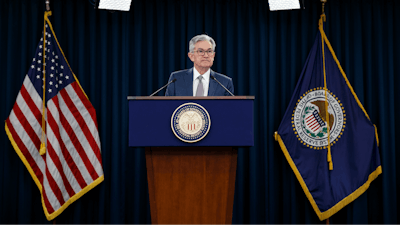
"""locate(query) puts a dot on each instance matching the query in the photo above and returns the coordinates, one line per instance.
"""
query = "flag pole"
(42, 149)
(48, 10)
(323, 17)
(323, 6)
(321, 28)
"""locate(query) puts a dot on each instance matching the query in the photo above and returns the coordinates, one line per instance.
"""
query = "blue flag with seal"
(325, 109)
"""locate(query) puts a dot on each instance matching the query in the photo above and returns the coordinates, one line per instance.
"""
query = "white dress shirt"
(205, 81)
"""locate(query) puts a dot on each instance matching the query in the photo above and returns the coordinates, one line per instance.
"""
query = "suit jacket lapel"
(213, 85)
(189, 82)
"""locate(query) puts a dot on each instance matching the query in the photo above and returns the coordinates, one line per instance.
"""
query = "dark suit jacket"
(183, 86)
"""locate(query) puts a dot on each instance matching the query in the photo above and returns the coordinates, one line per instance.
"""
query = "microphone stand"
(212, 77)
(172, 81)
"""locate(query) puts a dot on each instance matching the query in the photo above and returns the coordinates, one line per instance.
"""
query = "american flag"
(72, 164)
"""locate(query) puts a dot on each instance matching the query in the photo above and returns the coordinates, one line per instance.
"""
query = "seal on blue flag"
(190, 122)
(310, 122)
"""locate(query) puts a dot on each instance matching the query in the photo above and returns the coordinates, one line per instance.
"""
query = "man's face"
(202, 61)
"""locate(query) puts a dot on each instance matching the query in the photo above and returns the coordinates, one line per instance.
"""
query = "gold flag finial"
(47, 5)
(323, 6)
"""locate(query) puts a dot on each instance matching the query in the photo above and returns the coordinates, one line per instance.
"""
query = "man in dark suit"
(198, 80)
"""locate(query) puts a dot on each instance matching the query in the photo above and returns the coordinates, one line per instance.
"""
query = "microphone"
(212, 77)
(172, 81)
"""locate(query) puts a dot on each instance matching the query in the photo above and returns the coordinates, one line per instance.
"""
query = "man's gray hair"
(201, 37)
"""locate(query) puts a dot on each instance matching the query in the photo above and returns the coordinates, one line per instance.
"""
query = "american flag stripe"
(50, 177)
(89, 127)
(68, 178)
(49, 207)
(86, 103)
(25, 151)
(34, 96)
(29, 130)
(36, 113)
(24, 117)
(74, 147)
(54, 203)
(32, 151)
(59, 171)
(71, 164)
(69, 152)
(76, 121)
(85, 107)
(55, 143)
(77, 152)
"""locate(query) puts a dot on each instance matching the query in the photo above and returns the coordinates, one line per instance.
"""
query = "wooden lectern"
(191, 183)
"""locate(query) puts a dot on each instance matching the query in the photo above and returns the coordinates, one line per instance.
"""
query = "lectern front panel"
(231, 122)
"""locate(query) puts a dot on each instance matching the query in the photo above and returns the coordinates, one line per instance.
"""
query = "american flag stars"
(57, 77)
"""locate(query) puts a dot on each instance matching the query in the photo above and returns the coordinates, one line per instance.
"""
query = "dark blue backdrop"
(115, 55)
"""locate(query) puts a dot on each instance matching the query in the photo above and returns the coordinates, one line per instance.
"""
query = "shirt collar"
(206, 75)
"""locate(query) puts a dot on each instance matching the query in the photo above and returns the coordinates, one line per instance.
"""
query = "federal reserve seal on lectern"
(190, 122)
